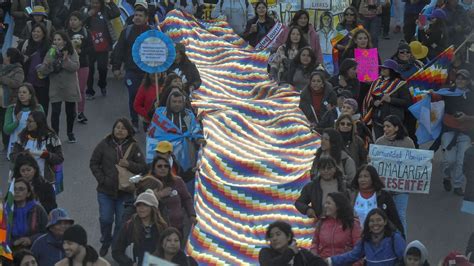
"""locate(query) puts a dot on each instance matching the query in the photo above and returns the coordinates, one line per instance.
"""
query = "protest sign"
(402, 169)
(367, 64)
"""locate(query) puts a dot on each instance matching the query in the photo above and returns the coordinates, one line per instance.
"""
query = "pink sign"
(367, 64)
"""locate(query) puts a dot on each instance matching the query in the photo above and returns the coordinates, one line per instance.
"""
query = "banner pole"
(157, 89)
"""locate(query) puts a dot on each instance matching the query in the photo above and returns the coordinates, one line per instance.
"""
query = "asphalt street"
(434, 219)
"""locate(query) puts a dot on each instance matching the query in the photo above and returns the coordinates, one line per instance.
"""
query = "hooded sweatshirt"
(417, 244)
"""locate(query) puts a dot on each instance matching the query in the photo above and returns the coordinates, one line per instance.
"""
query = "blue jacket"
(390, 250)
(48, 250)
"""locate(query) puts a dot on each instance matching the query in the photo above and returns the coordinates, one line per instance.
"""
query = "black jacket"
(122, 52)
(182, 259)
(254, 38)
(306, 102)
(353, 86)
(271, 257)
(313, 193)
(188, 73)
(105, 157)
(399, 102)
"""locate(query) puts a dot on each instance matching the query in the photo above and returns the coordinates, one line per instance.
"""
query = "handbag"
(124, 175)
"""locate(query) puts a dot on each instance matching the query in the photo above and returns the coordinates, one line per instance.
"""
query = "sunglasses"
(404, 52)
(349, 14)
(345, 124)
(162, 166)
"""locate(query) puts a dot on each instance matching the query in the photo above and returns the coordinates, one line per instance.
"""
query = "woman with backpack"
(380, 244)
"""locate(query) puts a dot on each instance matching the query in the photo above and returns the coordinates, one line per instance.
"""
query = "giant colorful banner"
(259, 146)
(402, 169)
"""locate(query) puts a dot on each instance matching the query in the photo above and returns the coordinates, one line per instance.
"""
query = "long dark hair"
(296, 17)
(388, 231)
(25, 158)
(284, 227)
(301, 44)
(267, 17)
(138, 231)
(15, 55)
(91, 256)
(169, 179)
(319, 74)
(377, 183)
(34, 47)
(169, 78)
(42, 132)
(33, 101)
(345, 211)
(297, 60)
(397, 122)
(19, 255)
(160, 252)
(329, 162)
(68, 44)
(337, 145)
(356, 16)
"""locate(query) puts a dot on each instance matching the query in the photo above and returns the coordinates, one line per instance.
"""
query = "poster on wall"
(317, 4)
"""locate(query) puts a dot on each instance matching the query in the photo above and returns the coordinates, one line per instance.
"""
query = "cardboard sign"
(367, 64)
(402, 169)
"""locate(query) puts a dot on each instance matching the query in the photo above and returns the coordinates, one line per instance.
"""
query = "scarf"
(20, 219)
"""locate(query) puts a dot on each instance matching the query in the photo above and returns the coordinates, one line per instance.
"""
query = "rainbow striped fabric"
(259, 146)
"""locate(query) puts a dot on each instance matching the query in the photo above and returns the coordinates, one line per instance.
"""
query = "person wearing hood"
(11, 78)
(118, 148)
(347, 78)
(416, 254)
(77, 251)
(317, 98)
(48, 248)
(186, 69)
(180, 127)
(388, 95)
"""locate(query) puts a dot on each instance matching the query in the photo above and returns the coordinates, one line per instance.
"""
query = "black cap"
(76, 234)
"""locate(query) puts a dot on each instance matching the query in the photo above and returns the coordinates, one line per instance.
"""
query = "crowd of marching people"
(146, 203)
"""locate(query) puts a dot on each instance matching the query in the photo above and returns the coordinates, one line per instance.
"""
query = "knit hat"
(347, 64)
(148, 197)
(353, 103)
(39, 11)
(164, 147)
(418, 50)
(463, 72)
(403, 45)
(76, 234)
(142, 3)
(57, 215)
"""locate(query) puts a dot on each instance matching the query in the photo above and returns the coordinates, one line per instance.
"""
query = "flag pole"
(464, 43)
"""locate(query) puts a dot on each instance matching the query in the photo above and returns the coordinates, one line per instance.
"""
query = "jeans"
(102, 59)
(401, 202)
(133, 81)
(70, 116)
(110, 211)
(453, 158)
(373, 25)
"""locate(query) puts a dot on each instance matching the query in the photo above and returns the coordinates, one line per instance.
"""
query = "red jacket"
(329, 239)
(144, 101)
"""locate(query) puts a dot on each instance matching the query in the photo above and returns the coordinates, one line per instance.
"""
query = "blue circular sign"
(153, 51)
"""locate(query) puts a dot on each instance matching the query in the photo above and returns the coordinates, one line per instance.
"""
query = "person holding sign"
(388, 95)
(370, 195)
(258, 26)
(395, 135)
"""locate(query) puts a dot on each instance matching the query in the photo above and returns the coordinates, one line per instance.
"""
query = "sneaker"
(90, 97)
(103, 91)
(71, 138)
(104, 249)
(81, 118)
(397, 29)
(447, 184)
(458, 191)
